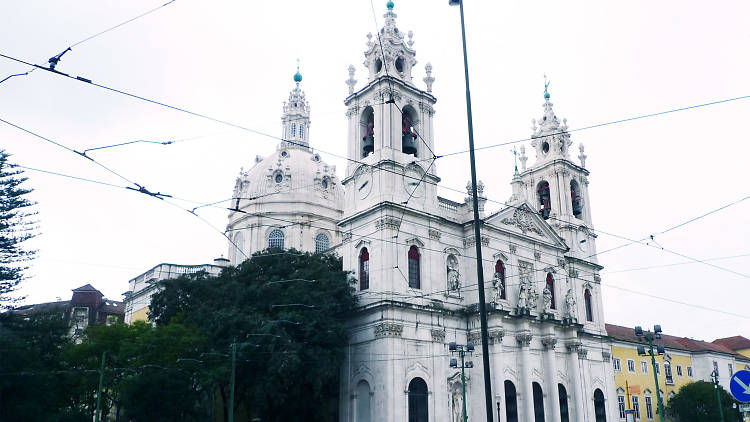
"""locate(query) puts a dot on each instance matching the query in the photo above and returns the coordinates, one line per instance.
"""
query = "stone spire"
(549, 135)
(396, 58)
(295, 119)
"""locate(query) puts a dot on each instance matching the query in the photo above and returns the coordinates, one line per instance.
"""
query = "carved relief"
(434, 234)
(471, 241)
(437, 335)
(549, 342)
(388, 329)
(524, 338)
(524, 221)
(391, 223)
(606, 356)
(512, 248)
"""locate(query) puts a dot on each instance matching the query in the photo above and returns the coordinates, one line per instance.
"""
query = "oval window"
(400, 64)
(278, 178)
(545, 147)
(378, 65)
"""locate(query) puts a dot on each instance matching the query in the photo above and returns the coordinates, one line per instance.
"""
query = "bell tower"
(390, 126)
(555, 185)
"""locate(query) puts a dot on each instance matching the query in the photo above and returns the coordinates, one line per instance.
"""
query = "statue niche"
(453, 276)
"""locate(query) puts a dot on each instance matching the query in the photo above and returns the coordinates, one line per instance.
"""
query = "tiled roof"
(86, 288)
(734, 343)
(112, 307)
(671, 342)
(42, 308)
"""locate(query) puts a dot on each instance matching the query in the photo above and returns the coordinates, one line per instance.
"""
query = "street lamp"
(462, 351)
(477, 231)
(650, 337)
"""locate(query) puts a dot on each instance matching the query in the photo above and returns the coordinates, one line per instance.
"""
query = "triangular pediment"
(520, 218)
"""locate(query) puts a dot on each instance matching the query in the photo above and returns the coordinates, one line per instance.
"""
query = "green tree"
(286, 310)
(16, 227)
(696, 402)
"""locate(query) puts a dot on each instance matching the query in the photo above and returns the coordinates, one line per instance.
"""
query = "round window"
(284, 154)
(545, 147)
(278, 178)
(316, 157)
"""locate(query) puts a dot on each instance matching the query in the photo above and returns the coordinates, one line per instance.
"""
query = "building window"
(562, 394)
(658, 369)
(575, 199)
(679, 370)
(321, 243)
(536, 390)
(621, 406)
(500, 277)
(649, 407)
(367, 124)
(616, 364)
(363, 401)
(276, 239)
(294, 130)
(408, 131)
(511, 403)
(631, 365)
(418, 400)
(301, 131)
(543, 197)
(600, 413)
(731, 370)
(589, 309)
(644, 367)
(364, 269)
(636, 407)
(690, 371)
(668, 372)
(414, 268)
(551, 287)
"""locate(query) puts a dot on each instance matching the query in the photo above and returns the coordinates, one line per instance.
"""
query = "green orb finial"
(546, 85)
(389, 5)
(298, 77)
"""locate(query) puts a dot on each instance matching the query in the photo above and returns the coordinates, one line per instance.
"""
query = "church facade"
(412, 255)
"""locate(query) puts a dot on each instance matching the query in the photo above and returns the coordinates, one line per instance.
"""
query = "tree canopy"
(16, 227)
(697, 402)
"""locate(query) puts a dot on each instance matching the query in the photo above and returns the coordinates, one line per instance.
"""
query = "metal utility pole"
(101, 386)
(477, 231)
(454, 363)
(715, 380)
(649, 336)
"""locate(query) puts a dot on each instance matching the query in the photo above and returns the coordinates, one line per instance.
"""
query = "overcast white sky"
(235, 59)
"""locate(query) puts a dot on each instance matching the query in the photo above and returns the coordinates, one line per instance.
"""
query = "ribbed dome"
(291, 174)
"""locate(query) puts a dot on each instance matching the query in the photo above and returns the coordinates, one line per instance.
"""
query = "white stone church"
(412, 254)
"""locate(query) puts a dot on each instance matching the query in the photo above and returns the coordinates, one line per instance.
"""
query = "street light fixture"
(715, 381)
(650, 337)
(462, 351)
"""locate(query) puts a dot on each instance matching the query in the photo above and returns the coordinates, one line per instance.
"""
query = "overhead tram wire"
(258, 132)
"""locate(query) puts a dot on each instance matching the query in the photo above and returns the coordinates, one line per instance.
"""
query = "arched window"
(500, 276)
(599, 412)
(364, 269)
(511, 404)
(414, 268)
(563, 395)
(276, 239)
(543, 198)
(453, 276)
(589, 309)
(409, 131)
(294, 130)
(363, 401)
(302, 131)
(538, 402)
(367, 128)
(551, 287)
(575, 199)
(418, 400)
(321, 243)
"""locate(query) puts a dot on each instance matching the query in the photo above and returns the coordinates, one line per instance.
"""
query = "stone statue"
(547, 299)
(497, 287)
(533, 296)
(458, 406)
(454, 278)
(570, 305)
(523, 295)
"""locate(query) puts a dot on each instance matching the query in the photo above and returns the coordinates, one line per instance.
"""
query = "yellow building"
(737, 344)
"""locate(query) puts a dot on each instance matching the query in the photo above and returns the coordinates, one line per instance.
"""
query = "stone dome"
(291, 174)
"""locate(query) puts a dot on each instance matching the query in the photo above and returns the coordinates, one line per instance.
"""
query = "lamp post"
(650, 337)
(477, 232)
(715, 381)
(462, 351)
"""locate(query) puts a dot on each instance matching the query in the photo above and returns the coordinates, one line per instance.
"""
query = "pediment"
(523, 220)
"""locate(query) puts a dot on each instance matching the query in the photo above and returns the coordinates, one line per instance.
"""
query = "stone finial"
(523, 158)
(369, 39)
(351, 81)
(583, 156)
(411, 40)
(428, 80)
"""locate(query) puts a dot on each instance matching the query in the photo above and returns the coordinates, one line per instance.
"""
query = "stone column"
(496, 339)
(574, 374)
(527, 398)
(550, 369)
